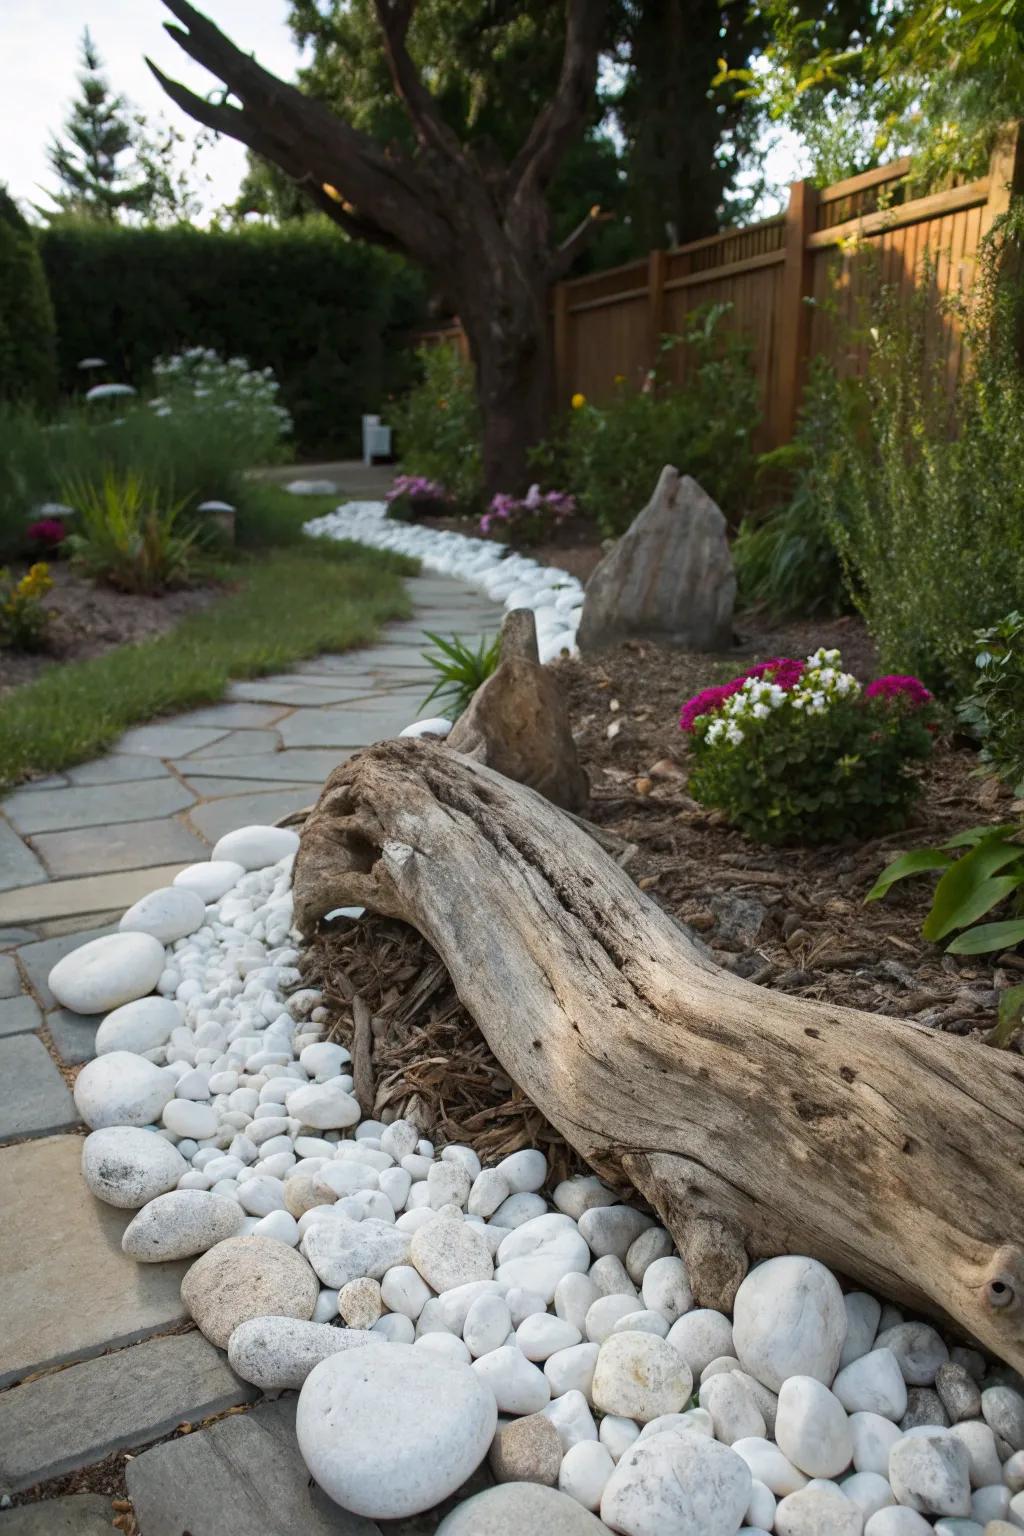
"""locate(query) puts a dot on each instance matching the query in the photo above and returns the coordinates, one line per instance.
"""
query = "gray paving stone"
(19, 1015)
(73, 1418)
(120, 768)
(235, 743)
(131, 845)
(349, 727)
(34, 1098)
(241, 1477)
(81, 899)
(58, 810)
(231, 716)
(74, 1035)
(18, 864)
(217, 789)
(10, 980)
(293, 692)
(222, 816)
(298, 766)
(52, 781)
(40, 958)
(76, 1514)
(68, 1290)
(168, 739)
(9, 937)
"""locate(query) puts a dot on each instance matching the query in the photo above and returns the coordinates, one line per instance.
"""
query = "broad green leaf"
(972, 836)
(915, 863)
(979, 941)
(1011, 1015)
(960, 882)
(986, 896)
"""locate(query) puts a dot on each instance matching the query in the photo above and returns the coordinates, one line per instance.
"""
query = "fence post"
(657, 263)
(560, 347)
(794, 314)
(1005, 171)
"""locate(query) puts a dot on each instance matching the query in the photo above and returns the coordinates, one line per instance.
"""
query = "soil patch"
(88, 620)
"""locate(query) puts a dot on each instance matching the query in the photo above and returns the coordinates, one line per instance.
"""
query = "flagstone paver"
(234, 742)
(95, 805)
(129, 845)
(297, 766)
(241, 1477)
(18, 864)
(89, 895)
(72, 1418)
(34, 1098)
(10, 980)
(73, 1035)
(216, 788)
(76, 1514)
(18, 1015)
(168, 739)
(68, 1290)
(119, 768)
(219, 816)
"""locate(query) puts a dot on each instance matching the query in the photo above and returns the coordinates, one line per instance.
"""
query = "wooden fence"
(837, 244)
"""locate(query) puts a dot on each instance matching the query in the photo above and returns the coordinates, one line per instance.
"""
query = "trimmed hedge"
(28, 362)
(329, 315)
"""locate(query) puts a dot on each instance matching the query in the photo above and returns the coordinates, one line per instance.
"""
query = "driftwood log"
(754, 1123)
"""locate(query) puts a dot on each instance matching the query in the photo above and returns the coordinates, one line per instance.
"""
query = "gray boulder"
(669, 578)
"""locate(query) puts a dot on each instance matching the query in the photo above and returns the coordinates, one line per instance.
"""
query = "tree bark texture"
(753, 1122)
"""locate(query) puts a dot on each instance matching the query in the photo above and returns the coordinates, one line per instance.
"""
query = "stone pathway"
(92, 1356)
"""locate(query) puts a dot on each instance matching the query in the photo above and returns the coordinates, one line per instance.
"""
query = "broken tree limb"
(755, 1123)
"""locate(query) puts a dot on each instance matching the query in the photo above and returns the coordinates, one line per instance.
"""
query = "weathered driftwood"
(754, 1123)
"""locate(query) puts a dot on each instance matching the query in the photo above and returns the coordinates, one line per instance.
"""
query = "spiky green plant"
(461, 669)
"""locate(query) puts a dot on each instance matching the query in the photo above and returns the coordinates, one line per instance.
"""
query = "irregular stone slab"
(68, 1289)
(234, 716)
(219, 789)
(131, 845)
(87, 896)
(170, 740)
(74, 1035)
(18, 1015)
(237, 744)
(241, 1477)
(34, 1098)
(223, 816)
(119, 768)
(10, 979)
(670, 576)
(298, 765)
(75, 1417)
(517, 1508)
(356, 725)
(57, 810)
(18, 864)
(77, 1514)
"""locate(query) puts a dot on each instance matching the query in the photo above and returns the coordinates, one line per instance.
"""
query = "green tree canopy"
(28, 367)
(96, 159)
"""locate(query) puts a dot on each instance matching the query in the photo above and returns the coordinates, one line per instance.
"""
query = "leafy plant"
(438, 427)
(461, 669)
(411, 497)
(23, 619)
(925, 494)
(198, 384)
(529, 519)
(994, 712)
(126, 532)
(612, 455)
(796, 752)
(974, 882)
(28, 361)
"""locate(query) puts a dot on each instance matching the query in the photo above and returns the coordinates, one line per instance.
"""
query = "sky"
(39, 45)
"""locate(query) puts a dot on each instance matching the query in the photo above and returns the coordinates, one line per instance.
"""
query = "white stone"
(666, 1288)
(519, 1209)
(121, 1088)
(770, 1466)
(869, 1491)
(733, 1411)
(395, 1328)
(541, 1335)
(789, 1320)
(448, 1184)
(700, 1337)
(1013, 1471)
(612, 1228)
(581, 1193)
(982, 1452)
(653, 1244)
(450, 1253)
(818, 1512)
(261, 1195)
(107, 972)
(572, 1369)
(931, 1473)
(762, 1506)
(639, 1376)
(919, 1349)
(490, 1189)
(574, 1295)
(642, 1322)
(278, 1353)
(437, 725)
(524, 1172)
(280, 1225)
(210, 881)
(446, 1345)
(603, 1315)
(256, 847)
(247, 1277)
(138, 1027)
(1003, 1411)
(611, 1277)
(586, 1468)
(521, 1509)
(992, 1503)
(572, 1419)
(518, 1386)
(127, 1166)
(684, 1484)
(488, 1324)
(812, 1428)
(404, 1290)
(180, 1224)
(873, 1384)
(897, 1522)
(873, 1439)
(344, 1176)
(168, 914)
(388, 1431)
(454, 1304)
(359, 1302)
(538, 1254)
(340, 1250)
(186, 1117)
(862, 1315)
(617, 1434)
(324, 1106)
(523, 1304)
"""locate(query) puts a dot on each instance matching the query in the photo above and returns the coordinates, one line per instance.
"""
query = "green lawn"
(288, 603)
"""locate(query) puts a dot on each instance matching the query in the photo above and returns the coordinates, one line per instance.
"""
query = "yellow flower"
(577, 401)
(620, 378)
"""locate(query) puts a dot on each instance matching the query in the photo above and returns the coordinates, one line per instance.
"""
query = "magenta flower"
(416, 486)
(895, 686)
(48, 530)
(782, 670)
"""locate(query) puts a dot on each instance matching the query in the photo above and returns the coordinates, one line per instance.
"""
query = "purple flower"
(897, 685)
(415, 487)
(48, 530)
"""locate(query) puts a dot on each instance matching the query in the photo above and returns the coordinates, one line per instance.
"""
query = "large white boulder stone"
(390, 1431)
(256, 847)
(276, 1353)
(812, 1429)
(247, 1277)
(141, 1026)
(167, 914)
(180, 1224)
(540, 1253)
(210, 881)
(121, 1088)
(687, 1484)
(126, 1166)
(639, 1376)
(107, 972)
(340, 1250)
(789, 1320)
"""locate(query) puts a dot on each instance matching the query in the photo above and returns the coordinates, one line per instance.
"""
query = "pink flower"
(782, 670)
(896, 685)
(48, 530)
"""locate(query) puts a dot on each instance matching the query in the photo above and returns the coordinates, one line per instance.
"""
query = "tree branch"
(558, 123)
(393, 17)
(564, 256)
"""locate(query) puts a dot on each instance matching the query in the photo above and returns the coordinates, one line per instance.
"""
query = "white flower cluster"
(821, 682)
(200, 375)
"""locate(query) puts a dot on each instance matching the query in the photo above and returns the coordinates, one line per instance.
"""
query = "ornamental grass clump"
(798, 752)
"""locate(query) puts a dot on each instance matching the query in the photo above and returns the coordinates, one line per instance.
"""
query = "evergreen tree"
(95, 179)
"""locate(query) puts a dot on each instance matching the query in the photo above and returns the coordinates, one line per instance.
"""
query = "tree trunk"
(508, 342)
(753, 1122)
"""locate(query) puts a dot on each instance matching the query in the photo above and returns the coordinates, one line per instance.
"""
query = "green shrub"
(994, 712)
(438, 426)
(612, 455)
(929, 520)
(786, 558)
(797, 753)
(126, 532)
(329, 315)
(28, 359)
